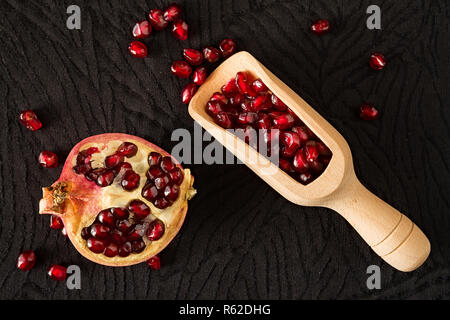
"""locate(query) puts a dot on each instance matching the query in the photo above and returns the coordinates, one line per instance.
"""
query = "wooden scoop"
(388, 232)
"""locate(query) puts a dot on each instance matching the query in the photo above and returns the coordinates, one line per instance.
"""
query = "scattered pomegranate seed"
(211, 54)
(368, 112)
(138, 49)
(228, 47)
(30, 120)
(188, 92)
(154, 263)
(199, 76)
(181, 69)
(320, 26)
(48, 159)
(377, 61)
(56, 223)
(194, 57)
(180, 29)
(156, 18)
(173, 12)
(26, 260)
(57, 272)
(142, 29)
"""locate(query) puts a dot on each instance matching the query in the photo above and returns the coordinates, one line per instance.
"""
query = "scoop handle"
(393, 236)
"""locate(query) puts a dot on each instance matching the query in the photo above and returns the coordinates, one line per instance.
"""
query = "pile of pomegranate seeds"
(113, 167)
(164, 178)
(48, 159)
(377, 61)
(30, 120)
(57, 272)
(320, 26)
(26, 260)
(195, 58)
(246, 104)
(116, 232)
(158, 20)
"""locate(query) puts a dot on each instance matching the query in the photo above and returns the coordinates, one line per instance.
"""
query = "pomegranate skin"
(78, 201)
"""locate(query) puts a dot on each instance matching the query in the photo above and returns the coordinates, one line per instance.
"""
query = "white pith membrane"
(115, 196)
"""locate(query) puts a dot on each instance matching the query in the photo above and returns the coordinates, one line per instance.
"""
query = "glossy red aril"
(113, 160)
(368, 112)
(173, 12)
(26, 260)
(138, 49)
(156, 18)
(259, 86)
(278, 103)
(142, 30)
(290, 142)
(30, 120)
(320, 26)
(57, 272)
(223, 120)
(107, 218)
(48, 159)
(56, 223)
(155, 230)
(300, 164)
(181, 69)
(241, 82)
(154, 263)
(247, 118)
(217, 96)
(261, 102)
(377, 61)
(211, 54)
(229, 88)
(180, 29)
(188, 92)
(283, 121)
(194, 57)
(199, 76)
(214, 107)
(228, 47)
(311, 151)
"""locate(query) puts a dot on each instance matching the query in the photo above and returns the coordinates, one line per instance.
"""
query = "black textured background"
(241, 239)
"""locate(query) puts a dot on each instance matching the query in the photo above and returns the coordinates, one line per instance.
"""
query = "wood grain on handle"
(392, 235)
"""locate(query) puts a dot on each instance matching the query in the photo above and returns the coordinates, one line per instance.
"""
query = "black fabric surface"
(241, 239)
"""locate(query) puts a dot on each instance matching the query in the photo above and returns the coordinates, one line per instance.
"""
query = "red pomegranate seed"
(173, 12)
(120, 213)
(106, 178)
(142, 29)
(137, 233)
(138, 49)
(107, 218)
(217, 96)
(150, 192)
(171, 192)
(48, 159)
(113, 160)
(99, 231)
(156, 18)
(137, 246)
(285, 165)
(368, 112)
(303, 133)
(305, 178)
(283, 121)
(161, 182)
(264, 121)
(130, 180)
(167, 164)
(125, 249)
(29, 119)
(139, 208)
(117, 237)
(188, 92)
(199, 76)
(154, 263)
(214, 107)
(211, 54)
(121, 168)
(124, 226)
(56, 223)
(92, 175)
(247, 118)
(181, 69)
(26, 260)
(154, 172)
(161, 203)
(194, 57)
(300, 164)
(223, 120)
(261, 102)
(290, 142)
(311, 151)
(111, 250)
(377, 61)
(278, 103)
(320, 26)
(323, 149)
(229, 88)
(57, 272)
(236, 100)
(96, 245)
(228, 47)
(127, 149)
(155, 230)
(86, 233)
(259, 86)
(176, 176)
(154, 158)
(180, 29)
(241, 82)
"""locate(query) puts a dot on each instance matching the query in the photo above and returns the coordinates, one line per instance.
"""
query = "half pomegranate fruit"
(115, 193)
